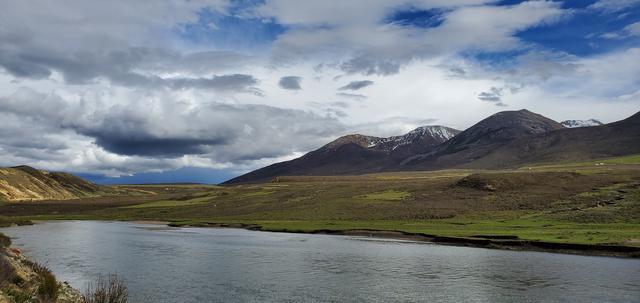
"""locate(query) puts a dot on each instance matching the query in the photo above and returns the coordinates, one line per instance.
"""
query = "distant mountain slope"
(581, 123)
(355, 154)
(482, 138)
(570, 144)
(26, 183)
(506, 139)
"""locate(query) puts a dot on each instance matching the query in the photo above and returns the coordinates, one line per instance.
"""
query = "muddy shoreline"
(480, 241)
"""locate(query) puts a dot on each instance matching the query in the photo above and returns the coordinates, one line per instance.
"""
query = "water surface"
(162, 264)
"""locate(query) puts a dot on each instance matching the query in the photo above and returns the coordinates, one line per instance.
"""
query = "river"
(164, 264)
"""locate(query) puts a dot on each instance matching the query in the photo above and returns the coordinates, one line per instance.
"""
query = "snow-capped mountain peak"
(435, 131)
(580, 123)
(433, 134)
(420, 137)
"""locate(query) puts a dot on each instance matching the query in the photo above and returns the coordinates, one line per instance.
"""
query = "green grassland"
(574, 203)
(626, 160)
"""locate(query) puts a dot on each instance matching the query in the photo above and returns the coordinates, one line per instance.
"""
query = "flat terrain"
(594, 202)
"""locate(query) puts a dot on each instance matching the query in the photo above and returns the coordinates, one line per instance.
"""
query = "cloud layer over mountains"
(121, 87)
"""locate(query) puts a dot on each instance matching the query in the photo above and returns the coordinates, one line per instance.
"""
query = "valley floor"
(589, 208)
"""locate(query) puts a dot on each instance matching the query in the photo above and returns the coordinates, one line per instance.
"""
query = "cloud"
(633, 29)
(356, 85)
(613, 6)
(121, 46)
(156, 128)
(290, 83)
(115, 87)
(360, 42)
(630, 30)
(235, 82)
(368, 66)
(132, 67)
(494, 95)
(352, 96)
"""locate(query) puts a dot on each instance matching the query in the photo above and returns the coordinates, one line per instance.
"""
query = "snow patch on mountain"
(424, 135)
(439, 133)
(581, 123)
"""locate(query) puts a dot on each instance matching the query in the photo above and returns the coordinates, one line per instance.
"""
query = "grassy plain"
(580, 203)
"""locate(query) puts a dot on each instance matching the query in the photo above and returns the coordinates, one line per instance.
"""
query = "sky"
(203, 90)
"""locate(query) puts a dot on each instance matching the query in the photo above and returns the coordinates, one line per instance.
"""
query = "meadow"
(595, 203)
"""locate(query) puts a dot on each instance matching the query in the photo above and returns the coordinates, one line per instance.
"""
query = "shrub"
(48, 288)
(6, 271)
(106, 290)
(4, 241)
(19, 295)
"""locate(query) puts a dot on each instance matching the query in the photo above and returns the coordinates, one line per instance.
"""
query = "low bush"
(6, 272)
(4, 241)
(110, 289)
(48, 287)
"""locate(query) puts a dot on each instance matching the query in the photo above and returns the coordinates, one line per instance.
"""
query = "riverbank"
(480, 241)
(22, 280)
(589, 211)
(194, 265)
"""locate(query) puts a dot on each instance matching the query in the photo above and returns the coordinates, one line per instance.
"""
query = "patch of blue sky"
(575, 4)
(235, 30)
(499, 60)
(585, 31)
(182, 175)
(416, 18)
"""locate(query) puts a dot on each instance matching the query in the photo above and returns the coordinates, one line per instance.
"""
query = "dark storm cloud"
(166, 129)
(352, 96)
(131, 67)
(367, 66)
(494, 95)
(235, 82)
(290, 82)
(356, 85)
(149, 146)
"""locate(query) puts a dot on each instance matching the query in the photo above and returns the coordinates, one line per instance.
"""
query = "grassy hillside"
(24, 183)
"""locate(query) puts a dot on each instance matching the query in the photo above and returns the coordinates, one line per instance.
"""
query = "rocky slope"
(24, 183)
(22, 280)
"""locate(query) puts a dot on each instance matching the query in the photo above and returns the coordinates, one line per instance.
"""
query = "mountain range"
(506, 139)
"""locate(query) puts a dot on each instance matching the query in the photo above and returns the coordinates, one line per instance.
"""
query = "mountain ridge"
(355, 153)
(505, 139)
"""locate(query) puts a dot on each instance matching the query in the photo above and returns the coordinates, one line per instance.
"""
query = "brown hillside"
(24, 183)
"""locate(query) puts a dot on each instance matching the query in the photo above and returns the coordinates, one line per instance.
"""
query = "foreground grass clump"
(6, 272)
(110, 289)
(48, 288)
(4, 241)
